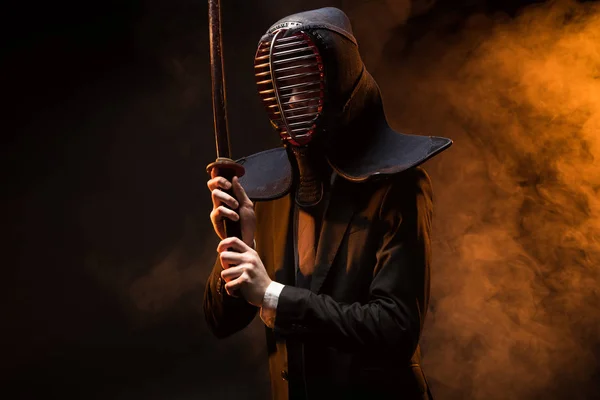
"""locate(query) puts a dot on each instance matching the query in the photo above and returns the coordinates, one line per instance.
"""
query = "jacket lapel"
(281, 237)
(338, 213)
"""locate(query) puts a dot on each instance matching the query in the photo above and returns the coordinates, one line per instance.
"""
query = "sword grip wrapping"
(227, 168)
(232, 228)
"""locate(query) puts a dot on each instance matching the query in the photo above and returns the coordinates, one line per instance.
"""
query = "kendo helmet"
(321, 100)
(304, 67)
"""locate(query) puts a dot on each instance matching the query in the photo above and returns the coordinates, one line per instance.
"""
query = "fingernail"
(236, 204)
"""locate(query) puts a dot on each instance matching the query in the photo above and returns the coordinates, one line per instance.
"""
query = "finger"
(233, 243)
(235, 285)
(221, 212)
(219, 196)
(233, 257)
(218, 182)
(232, 273)
(239, 192)
(228, 262)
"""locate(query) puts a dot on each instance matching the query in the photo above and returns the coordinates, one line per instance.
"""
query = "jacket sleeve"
(224, 314)
(392, 319)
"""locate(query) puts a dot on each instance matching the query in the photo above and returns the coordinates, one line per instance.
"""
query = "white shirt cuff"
(269, 305)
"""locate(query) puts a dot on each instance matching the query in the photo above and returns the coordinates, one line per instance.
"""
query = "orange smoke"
(516, 308)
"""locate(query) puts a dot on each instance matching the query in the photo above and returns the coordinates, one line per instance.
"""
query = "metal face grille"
(289, 75)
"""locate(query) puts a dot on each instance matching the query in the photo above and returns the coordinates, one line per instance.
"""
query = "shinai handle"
(232, 228)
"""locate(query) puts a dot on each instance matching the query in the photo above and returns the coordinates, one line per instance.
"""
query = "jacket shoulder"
(409, 193)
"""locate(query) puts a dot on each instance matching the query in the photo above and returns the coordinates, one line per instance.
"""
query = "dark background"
(106, 134)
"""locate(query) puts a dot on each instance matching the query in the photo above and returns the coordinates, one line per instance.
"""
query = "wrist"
(264, 293)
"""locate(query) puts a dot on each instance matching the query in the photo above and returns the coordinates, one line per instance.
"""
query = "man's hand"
(243, 270)
(219, 211)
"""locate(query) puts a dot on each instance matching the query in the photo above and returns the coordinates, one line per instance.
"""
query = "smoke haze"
(515, 303)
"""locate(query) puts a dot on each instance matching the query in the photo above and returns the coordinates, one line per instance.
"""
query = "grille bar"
(300, 75)
(291, 44)
(303, 115)
(261, 65)
(298, 109)
(285, 96)
(287, 60)
(297, 130)
(297, 66)
(296, 124)
(290, 38)
(292, 51)
(298, 85)
(262, 74)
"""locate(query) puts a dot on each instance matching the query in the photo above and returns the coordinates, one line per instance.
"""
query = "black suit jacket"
(355, 333)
